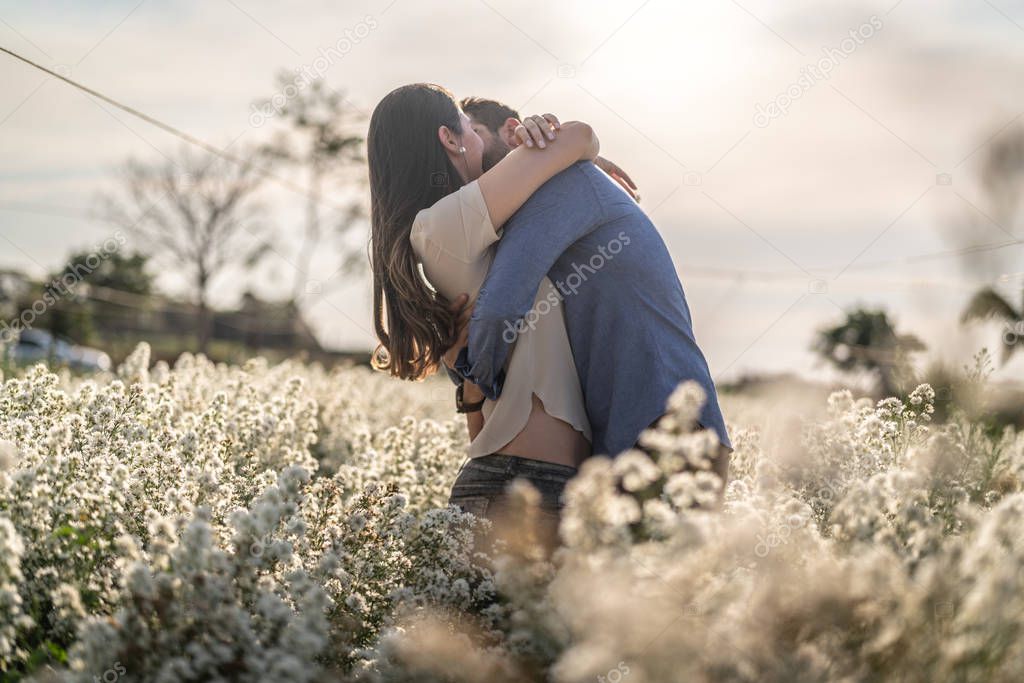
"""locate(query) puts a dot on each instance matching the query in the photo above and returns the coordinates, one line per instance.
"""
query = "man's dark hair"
(490, 113)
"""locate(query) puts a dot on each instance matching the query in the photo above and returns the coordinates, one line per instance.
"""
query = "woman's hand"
(534, 129)
(619, 176)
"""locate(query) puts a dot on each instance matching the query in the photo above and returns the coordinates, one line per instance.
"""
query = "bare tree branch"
(196, 213)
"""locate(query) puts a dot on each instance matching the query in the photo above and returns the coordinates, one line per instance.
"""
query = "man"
(496, 124)
(626, 315)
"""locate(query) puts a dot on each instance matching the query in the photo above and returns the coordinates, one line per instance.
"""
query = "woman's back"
(540, 413)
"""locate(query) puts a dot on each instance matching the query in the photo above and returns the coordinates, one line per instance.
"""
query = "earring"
(462, 150)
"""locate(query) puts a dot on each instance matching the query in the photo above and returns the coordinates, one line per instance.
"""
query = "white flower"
(8, 455)
(289, 523)
(636, 470)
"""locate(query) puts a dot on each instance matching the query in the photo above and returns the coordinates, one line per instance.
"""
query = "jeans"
(481, 488)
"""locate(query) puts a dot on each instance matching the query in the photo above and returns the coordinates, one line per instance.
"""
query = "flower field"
(284, 523)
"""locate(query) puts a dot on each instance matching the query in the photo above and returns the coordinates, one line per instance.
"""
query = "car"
(36, 346)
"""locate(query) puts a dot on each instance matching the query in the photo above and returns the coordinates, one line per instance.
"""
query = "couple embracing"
(504, 254)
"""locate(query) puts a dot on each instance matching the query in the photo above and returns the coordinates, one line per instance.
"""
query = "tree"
(1002, 178)
(199, 214)
(867, 340)
(318, 140)
(115, 273)
(125, 273)
(67, 313)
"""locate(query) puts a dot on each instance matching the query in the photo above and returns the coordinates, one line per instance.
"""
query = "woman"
(433, 208)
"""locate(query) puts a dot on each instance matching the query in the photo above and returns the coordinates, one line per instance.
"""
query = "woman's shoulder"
(453, 202)
(456, 216)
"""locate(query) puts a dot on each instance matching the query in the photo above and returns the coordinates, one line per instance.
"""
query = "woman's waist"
(548, 439)
(530, 424)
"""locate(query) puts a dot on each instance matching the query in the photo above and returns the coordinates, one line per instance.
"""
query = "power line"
(963, 251)
(191, 139)
(739, 277)
(49, 210)
(722, 272)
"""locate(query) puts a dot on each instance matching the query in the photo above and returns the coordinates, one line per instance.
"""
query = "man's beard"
(493, 153)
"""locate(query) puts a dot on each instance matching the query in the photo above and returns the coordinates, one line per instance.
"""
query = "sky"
(780, 212)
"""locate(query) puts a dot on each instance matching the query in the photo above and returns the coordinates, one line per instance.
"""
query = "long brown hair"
(409, 171)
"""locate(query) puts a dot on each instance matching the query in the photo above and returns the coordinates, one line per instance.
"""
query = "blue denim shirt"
(628, 321)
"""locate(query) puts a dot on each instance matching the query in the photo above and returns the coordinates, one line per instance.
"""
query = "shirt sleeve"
(454, 376)
(562, 211)
(452, 238)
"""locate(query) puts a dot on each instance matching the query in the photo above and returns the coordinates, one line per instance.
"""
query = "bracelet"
(462, 407)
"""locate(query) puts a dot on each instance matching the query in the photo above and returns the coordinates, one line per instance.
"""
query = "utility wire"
(739, 273)
(963, 251)
(191, 139)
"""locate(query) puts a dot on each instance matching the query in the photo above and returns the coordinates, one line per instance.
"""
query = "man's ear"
(507, 132)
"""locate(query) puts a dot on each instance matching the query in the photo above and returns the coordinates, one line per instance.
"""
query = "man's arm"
(562, 211)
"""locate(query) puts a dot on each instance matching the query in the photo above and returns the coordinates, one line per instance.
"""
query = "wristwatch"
(463, 407)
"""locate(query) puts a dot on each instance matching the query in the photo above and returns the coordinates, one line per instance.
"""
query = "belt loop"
(510, 468)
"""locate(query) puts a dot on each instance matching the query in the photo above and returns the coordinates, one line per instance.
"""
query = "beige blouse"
(453, 240)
